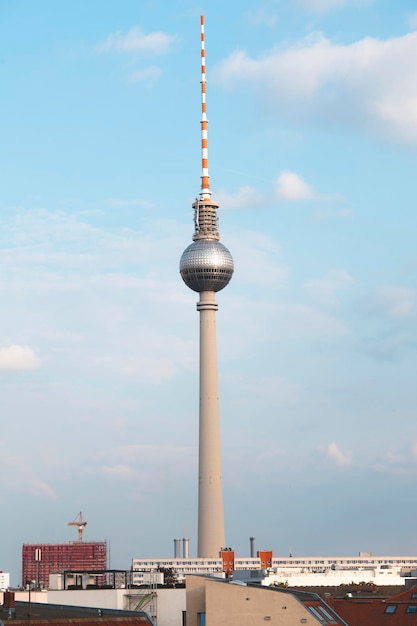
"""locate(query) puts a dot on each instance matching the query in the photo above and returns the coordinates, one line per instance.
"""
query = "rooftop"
(395, 610)
(39, 613)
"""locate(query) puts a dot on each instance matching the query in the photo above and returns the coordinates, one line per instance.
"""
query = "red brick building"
(41, 559)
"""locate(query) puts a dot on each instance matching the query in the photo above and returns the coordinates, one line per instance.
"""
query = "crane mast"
(80, 523)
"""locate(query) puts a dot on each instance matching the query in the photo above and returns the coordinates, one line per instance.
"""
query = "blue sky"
(312, 107)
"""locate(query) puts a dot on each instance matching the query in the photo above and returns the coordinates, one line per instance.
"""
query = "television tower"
(206, 266)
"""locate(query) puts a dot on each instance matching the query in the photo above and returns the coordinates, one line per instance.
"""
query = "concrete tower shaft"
(206, 267)
(210, 487)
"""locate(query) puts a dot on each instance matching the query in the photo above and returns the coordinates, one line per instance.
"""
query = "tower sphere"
(206, 265)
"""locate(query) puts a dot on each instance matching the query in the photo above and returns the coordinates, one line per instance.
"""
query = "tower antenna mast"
(205, 192)
(205, 209)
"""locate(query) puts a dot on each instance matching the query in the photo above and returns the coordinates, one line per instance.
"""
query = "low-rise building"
(298, 571)
(39, 560)
(165, 605)
(216, 602)
(325, 577)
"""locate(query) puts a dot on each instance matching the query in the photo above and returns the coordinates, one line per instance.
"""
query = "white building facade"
(299, 571)
(164, 606)
(4, 581)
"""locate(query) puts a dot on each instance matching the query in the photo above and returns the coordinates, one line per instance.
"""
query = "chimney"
(177, 548)
(8, 600)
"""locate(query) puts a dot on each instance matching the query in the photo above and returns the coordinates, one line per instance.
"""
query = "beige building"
(215, 602)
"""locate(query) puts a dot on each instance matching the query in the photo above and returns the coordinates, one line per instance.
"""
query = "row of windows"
(253, 563)
(392, 608)
(171, 563)
(367, 561)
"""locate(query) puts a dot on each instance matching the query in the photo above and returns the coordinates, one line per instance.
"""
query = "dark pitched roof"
(39, 612)
(393, 611)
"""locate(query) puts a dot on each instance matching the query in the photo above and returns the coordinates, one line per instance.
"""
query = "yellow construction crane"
(80, 523)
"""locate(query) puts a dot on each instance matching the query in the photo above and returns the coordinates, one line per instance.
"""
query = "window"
(412, 608)
(322, 613)
(201, 619)
(317, 614)
(327, 615)
(391, 608)
(414, 596)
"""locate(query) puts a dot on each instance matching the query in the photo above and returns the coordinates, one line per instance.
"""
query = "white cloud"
(262, 17)
(412, 20)
(303, 320)
(387, 347)
(321, 6)
(138, 202)
(147, 74)
(276, 390)
(289, 320)
(246, 196)
(322, 214)
(119, 471)
(325, 289)
(397, 301)
(135, 40)
(369, 84)
(41, 489)
(336, 454)
(402, 461)
(258, 258)
(150, 370)
(145, 463)
(18, 358)
(290, 186)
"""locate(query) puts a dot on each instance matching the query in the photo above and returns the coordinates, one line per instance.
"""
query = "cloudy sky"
(313, 154)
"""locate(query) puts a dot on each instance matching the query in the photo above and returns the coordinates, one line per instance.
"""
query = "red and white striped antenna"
(205, 209)
(205, 192)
